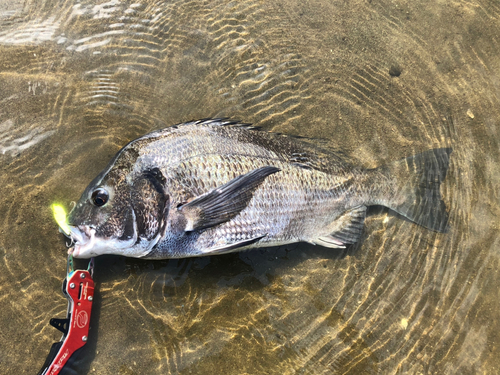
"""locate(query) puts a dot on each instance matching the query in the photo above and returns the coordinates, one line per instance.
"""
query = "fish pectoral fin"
(231, 247)
(347, 229)
(225, 202)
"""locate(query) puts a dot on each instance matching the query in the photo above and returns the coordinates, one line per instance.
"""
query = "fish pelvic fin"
(346, 229)
(232, 247)
(416, 182)
(225, 202)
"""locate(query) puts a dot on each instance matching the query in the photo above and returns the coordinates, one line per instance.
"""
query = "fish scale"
(217, 186)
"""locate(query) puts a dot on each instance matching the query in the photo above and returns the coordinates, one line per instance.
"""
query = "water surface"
(380, 80)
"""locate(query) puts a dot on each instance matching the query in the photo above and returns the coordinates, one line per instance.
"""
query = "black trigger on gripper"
(61, 324)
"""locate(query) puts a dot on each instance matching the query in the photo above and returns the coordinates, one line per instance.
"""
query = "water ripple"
(378, 80)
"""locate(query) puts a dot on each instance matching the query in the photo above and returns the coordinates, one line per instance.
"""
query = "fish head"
(103, 220)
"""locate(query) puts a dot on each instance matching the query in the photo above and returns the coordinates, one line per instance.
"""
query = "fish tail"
(415, 183)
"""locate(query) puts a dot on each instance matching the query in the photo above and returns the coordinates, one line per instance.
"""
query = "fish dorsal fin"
(225, 202)
(347, 230)
(222, 121)
(308, 160)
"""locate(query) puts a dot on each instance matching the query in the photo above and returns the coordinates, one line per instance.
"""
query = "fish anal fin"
(329, 241)
(346, 229)
(232, 247)
(225, 202)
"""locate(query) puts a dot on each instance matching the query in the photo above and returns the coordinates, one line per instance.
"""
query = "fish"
(217, 186)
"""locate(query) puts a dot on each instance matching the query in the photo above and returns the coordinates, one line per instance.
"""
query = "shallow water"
(379, 79)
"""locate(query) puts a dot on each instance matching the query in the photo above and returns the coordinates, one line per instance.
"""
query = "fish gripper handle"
(78, 287)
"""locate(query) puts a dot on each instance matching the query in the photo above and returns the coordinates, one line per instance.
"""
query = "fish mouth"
(86, 244)
(84, 239)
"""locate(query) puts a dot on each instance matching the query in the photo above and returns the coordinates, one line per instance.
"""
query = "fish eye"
(100, 197)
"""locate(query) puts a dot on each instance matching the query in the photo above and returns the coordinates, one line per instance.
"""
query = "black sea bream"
(216, 186)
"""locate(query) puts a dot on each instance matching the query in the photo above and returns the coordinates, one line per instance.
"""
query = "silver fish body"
(215, 186)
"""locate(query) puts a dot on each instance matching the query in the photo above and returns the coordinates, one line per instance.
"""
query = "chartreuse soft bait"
(60, 216)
